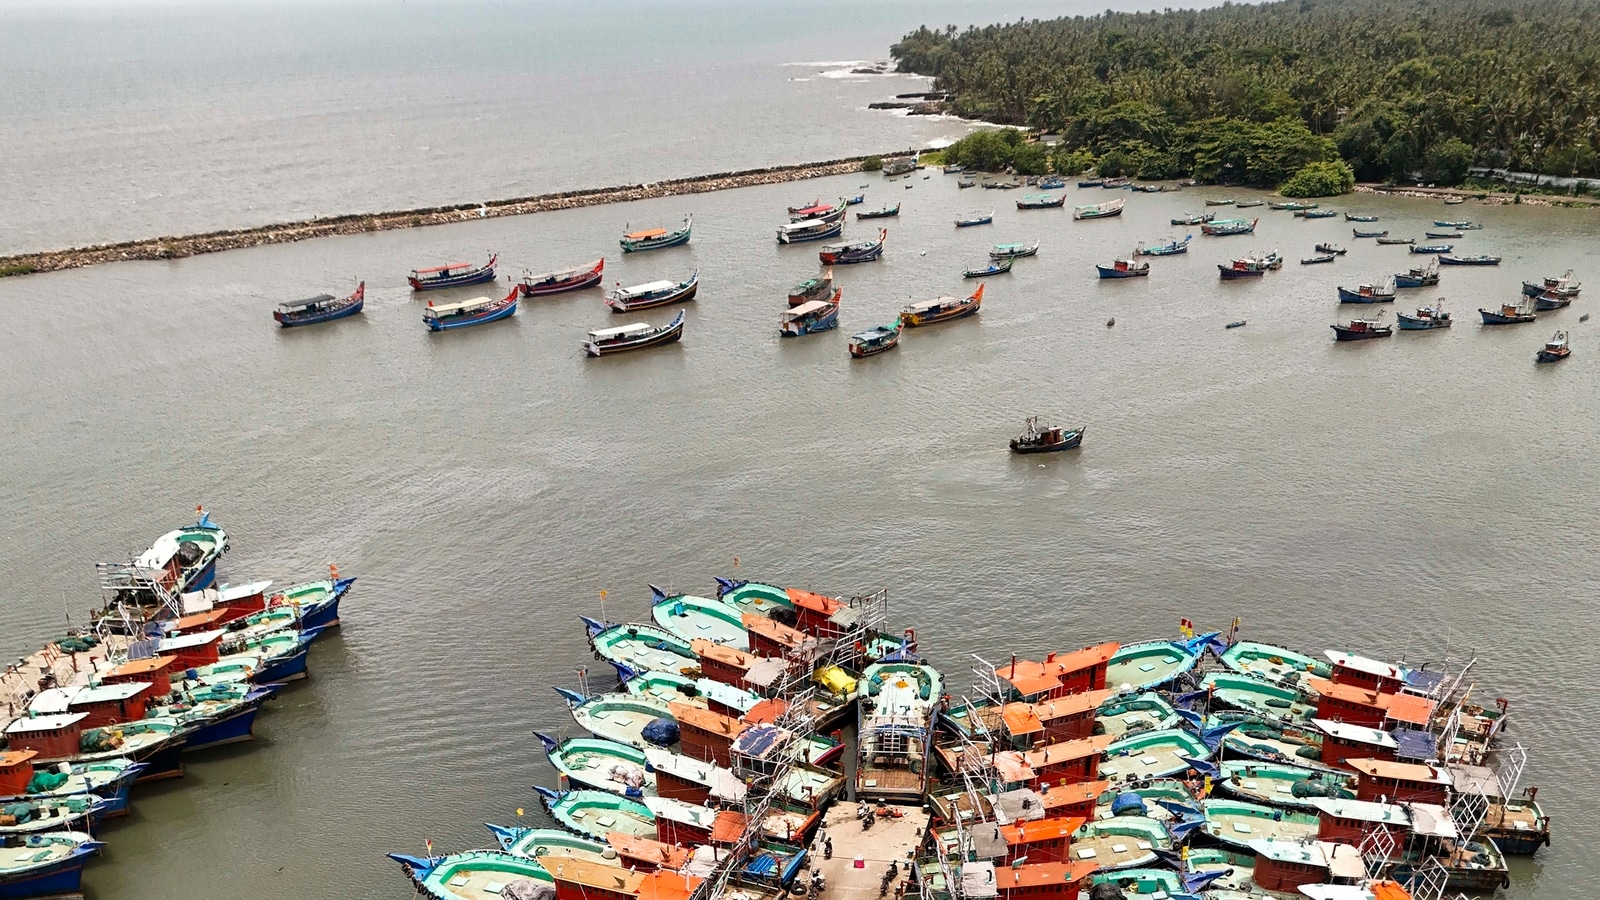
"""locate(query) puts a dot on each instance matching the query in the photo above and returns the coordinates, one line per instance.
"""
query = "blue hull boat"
(288, 668)
(237, 726)
(325, 614)
(467, 313)
(321, 308)
(61, 878)
(166, 762)
(116, 793)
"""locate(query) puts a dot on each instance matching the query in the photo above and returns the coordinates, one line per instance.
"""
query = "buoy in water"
(1110, 322)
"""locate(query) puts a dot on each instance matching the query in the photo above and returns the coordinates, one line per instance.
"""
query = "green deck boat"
(752, 596)
(1277, 664)
(1284, 785)
(538, 843)
(1154, 795)
(1122, 842)
(595, 814)
(1148, 665)
(691, 617)
(1271, 741)
(670, 686)
(601, 765)
(1236, 823)
(1125, 715)
(1254, 695)
(908, 680)
(619, 717)
(632, 649)
(1152, 754)
(474, 875)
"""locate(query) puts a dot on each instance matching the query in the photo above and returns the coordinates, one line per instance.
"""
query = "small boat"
(1454, 201)
(857, 200)
(886, 212)
(1167, 247)
(453, 275)
(1432, 248)
(321, 308)
(46, 865)
(1369, 234)
(657, 238)
(1443, 235)
(1559, 285)
(1382, 292)
(826, 212)
(1091, 182)
(976, 218)
(1039, 436)
(31, 815)
(1279, 784)
(1130, 267)
(1396, 240)
(1319, 258)
(1318, 214)
(953, 168)
(1014, 251)
(1240, 323)
(1426, 318)
(1362, 329)
(1226, 201)
(1243, 267)
(1546, 302)
(1583, 318)
(1425, 275)
(1464, 223)
(1112, 184)
(1099, 210)
(811, 289)
(1509, 314)
(1248, 204)
(794, 210)
(1326, 247)
(875, 340)
(1042, 201)
(653, 294)
(967, 181)
(638, 336)
(1348, 217)
(1476, 259)
(1292, 205)
(594, 814)
(858, 252)
(1052, 183)
(810, 230)
(1554, 350)
(941, 309)
(1010, 184)
(466, 313)
(1235, 823)
(1223, 227)
(811, 317)
(994, 267)
(1194, 218)
(576, 278)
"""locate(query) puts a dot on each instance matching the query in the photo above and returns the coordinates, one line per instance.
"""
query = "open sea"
(1427, 496)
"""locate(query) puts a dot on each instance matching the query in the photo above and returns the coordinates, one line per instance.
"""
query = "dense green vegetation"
(1261, 94)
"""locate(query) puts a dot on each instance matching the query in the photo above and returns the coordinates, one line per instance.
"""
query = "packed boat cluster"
(172, 664)
(771, 741)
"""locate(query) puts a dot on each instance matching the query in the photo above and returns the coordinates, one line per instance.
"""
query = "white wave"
(940, 143)
(830, 63)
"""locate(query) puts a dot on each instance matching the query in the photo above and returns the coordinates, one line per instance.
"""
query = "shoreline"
(181, 246)
(1493, 198)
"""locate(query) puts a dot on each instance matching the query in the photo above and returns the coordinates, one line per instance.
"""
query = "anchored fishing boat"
(1243, 267)
(1127, 714)
(857, 200)
(576, 278)
(1042, 201)
(859, 252)
(1225, 227)
(1433, 248)
(179, 562)
(1130, 267)
(1226, 201)
(1167, 247)
(967, 181)
(812, 289)
(467, 313)
(637, 336)
(321, 308)
(811, 317)
(452, 275)
(1426, 318)
(875, 340)
(1236, 823)
(219, 713)
(1354, 218)
(653, 294)
(1319, 258)
(1369, 234)
(1462, 224)
(886, 212)
(1152, 754)
(941, 309)
(46, 865)
(1149, 665)
(1317, 214)
(1039, 436)
(633, 648)
(1554, 350)
(1279, 665)
(690, 617)
(1561, 286)
(1014, 251)
(1326, 247)
(1099, 210)
(1292, 205)
(1091, 182)
(657, 238)
(976, 218)
(1382, 292)
(1052, 183)
(1277, 784)
(993, 267)
(1395, 241)
(1362, 329)
(1254, 695)
(1509, 314)
(1425, 275)
(1194, 218)
(601, 765)
(1545, 302)
(1476, 259)
(595, 814)
(807, 230)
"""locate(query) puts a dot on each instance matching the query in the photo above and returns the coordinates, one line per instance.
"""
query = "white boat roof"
(235, 591)
(1364, 810)
(1432, 820)
(601, 334)
(1341, 860)
(649, 287)
(458, 306)
(680, 811)
(802, 225)
(1344, 731)
(184, 641)
(723, 783)
(54, 700)
(160, 552)
(807, 308)
(51, 722)
(1362, 663)
(103, 692)
(925, 305)
(1336, 892)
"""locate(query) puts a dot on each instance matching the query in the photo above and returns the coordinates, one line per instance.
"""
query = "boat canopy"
(444, 268)
(637, 329)
(807, 308)
(816, 210)
(923, 306)
(54, 700)
(1355, 733)
(307, 303)
(110, 692)
(804, 225)
(873, 335)
(27, 724)
(641, 235)
(185, 641)
(446, 309)
(639, 290)
(565, 273)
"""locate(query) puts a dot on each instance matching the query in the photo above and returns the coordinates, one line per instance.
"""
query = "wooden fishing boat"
(1554, 350)
(1052, 183)
(1091, 182)
(857, 200)
(1433, 249)
(1369, 234)
(1248, 204)
(1152, 754)
(941, 309)
(63, 738)
(453, 275)
(953, 168)
(1559, 285)
(899, 701)
(809, 230)
(796, 209)
(1099, 210)
(1112, 184)
(1425, 275)
(1279, 784)
(657, 238)
(1239, 323)
(689, 617)
(875, 340)
(595, 814)
(1125, 714)
(1546, 302)
(858, 252)
(1148, 665)
(1317, 214)
(994, 267)
(819, 212)
(1348, 217)
(1478, 259)
(466, 313)
(900, 165)
(1225, 201)
(321, 308)
(811, 317)
(46, 865)
(1042, 201)
(967, 181)
(1235, 823)
(819, 288)
(1277, 742)
(1395, 241)
(1463, 223)
(1194, 218)
(1014, 251)
(1167, 247)
(110, 779)
(1319, 258)
(1508, 314)
(1518, 825)
(1426, 318)
(1292, 205)
(575, 278)
(1039, 436)
(653, 294)
(1243, 267)
(1335, 249)
(886, 212)
(1443, 235)
(1454, 201)
(1254, 695)
(1362, 329)
(1131, 267)
(976, 218)
(1224, 227)
(621, 717)
(220, 714)
(600, 765)
(32, 815)
(637, 336)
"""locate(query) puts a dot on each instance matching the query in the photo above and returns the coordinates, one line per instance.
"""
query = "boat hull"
(1349, 296)
(862, 351)
(326, 615)
(480, 276)
(164, 762)
(672, 240)
(1417, 323)
(669, 336)
(832, 231)
(1546, 356)
(683, 295)
(1544, 303)
(1341, 333)
(61, 879)
(234, 728)
(289, 321)
(1415, 281)
(503, 311)
(589, 280)
(851, 257)
(288, 668)
(1229, 273)
(1070, 443)
(1114, 272)
(914, 320)
(1494, 318)
(825, 322)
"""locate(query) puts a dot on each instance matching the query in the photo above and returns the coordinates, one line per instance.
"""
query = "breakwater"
(356, 223)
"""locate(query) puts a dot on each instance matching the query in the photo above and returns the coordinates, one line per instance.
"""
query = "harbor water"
(1425, 496)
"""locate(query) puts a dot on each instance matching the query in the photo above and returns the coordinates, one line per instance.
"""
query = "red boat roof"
(819, 208)
(459, 265)
(641, 235)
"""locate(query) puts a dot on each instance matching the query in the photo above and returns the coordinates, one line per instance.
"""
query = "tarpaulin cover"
(662, 732)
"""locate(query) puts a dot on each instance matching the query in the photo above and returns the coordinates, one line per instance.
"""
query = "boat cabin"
(1397, 782)
(1361, 706)
(806, 227)
(1362, 672)
(759, 747)
(703, 734)
(738, 668)
(582, 879)
(681, 777)
(1069, 718)
(201, 621)
(1069, 762)
(239, 599)
(1060, 675)
(678, 822)
(620, 333)
(1076, 800)
(460, 309)
(1039, 840)
(193, 650)
(642, 291)
(820, 615)
(16, 770)
(309, 306)
(53, 736)
(1029, 881)
(1350, 821)
(1342, 742)
(806, 310)
(771, 638)
(1285, 865)
(933, 308)
(638, 853)
(155, 671)
(110, 704)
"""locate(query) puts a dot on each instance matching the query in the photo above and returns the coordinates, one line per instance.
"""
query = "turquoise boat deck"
(758, 598)
(541, 842)
(481, 875)
(1274, 784)
(1122, 716)
(1272, 743)
(604, 765)
(691, 617)
(1263, 698)
(619, 717)
(645, 648)
(1170, 790)
(1277, 664)
(1122, 842)
(595, 814)
(1152, 754)
(1148, 665)
(666, 687)
(1238, 823)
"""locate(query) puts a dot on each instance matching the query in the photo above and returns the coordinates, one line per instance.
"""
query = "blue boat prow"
(1197, 645)
(549, 795)
(1194, 882)
(1213, 735)
(1195, 720)
(420, 867)
(724, 585)
(573, 698)
(1204, 767)
(550, 743)
(505, 835)
(658, 594)
(593, 626)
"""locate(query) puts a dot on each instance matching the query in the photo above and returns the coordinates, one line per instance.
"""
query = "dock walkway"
(889, 840)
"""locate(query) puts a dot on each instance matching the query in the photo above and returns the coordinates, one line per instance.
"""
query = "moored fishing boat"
(475, 875)
(109, 779)
(857, 200)
(1014, 251)
(32, 815)
(1235, 823)
(1554, 350)
(632, 648)
(1052, 183)
(1130, 267)
(1042, 201)
(691, 617)
(46, 865)
(1091, 182)
(1276, 664)
(1395, 241)
(1317, 214)
(1039, 436)
(941, 309)
(1425, 275)
(875, 340)
(1280, 784)
(1121, 842)
(657, 238)
(625, 718)
(1255, 695)
(811, 317)
(575, 278)
(1426, 318)
(466, 313)
(1224, 227)
(1348, 217)
(1243, 267)
(315, 602)
(809, 230)
(1194, 218)
(1318, 258)
(536, 843)
(967, 181)
(1147, 665)
(1559, 285)
(993, 267)
(1432, 248)
(1275, 742)
(62, 738)
(1476, 259)
(1238, 323)
(1380, 292)
(601, 765)
(1167, 247)
(667, 687)
(452, 275)
(858, 252)
(1458, 224)
(1362, 329)
(179, 562)
(1443, 235)
(1370, 234)
(219, 713)
(976, 218)
(885, 212)
(1335, 249)
(637, 336)
(1152, 754)
(1508, 314)
(653, 294)
(321, 308)
(819, 288)
(1291, 205)
(1545, 302)
(1127, 714)
(1224, 201)
(1099, 210)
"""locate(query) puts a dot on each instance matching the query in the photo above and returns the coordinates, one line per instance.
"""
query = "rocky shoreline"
(236, 239)
(1492, 198)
